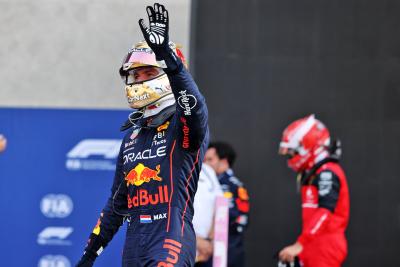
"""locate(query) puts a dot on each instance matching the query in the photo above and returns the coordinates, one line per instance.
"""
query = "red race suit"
(325, 214)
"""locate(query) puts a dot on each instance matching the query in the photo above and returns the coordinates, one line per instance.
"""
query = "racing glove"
(93, 248)
(156, 36)
(86, 261)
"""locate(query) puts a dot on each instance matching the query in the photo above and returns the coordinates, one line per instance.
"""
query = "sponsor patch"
(186, 102)
(143, 197)
(185, 131)
(310, 197)
(97, 229)
(142, 174)
(242, 219)
(325, 183)
(163, 127)
(135, 133)
(228, 194)
(242, 193)
(146, 154)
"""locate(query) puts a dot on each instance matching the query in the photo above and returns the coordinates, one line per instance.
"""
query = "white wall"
(56, 53)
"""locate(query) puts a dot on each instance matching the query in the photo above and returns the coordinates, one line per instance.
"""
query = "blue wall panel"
(50, 202)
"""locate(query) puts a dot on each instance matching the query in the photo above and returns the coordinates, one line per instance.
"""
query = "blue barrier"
(55, 177)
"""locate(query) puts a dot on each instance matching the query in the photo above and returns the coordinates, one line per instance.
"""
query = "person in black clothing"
(221, 157)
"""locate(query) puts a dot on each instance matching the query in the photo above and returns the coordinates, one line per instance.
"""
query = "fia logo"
(54, 261)
(56, 206)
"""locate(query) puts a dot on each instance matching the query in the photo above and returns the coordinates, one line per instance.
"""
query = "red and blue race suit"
(325, 212)
(239, 208)
(155, 183)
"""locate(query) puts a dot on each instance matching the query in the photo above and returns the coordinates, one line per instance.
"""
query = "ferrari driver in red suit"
(324, 195)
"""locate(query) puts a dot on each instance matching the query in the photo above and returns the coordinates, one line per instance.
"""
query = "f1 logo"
(108, 148)
(54, 235)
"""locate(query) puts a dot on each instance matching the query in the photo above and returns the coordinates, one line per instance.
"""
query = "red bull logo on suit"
(142, 174)
(144, 198)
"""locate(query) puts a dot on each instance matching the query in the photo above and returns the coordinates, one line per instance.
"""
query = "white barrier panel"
(221, 224)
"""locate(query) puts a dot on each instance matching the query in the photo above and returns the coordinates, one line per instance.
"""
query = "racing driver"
(324, 194)
(160, 157)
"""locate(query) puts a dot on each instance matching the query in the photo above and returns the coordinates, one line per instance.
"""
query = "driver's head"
(145, 81)
(305, 142)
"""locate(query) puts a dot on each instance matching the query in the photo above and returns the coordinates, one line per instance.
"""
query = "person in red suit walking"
(324, 194)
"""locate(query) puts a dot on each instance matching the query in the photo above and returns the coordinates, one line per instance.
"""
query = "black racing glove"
(87, 260)
(156, 36)
(94, 247)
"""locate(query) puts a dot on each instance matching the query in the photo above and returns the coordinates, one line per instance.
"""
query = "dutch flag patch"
(145, 219)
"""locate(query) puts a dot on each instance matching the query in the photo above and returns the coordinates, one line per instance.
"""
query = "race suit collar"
(151, 122)
(228, 173)
(306, 176)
